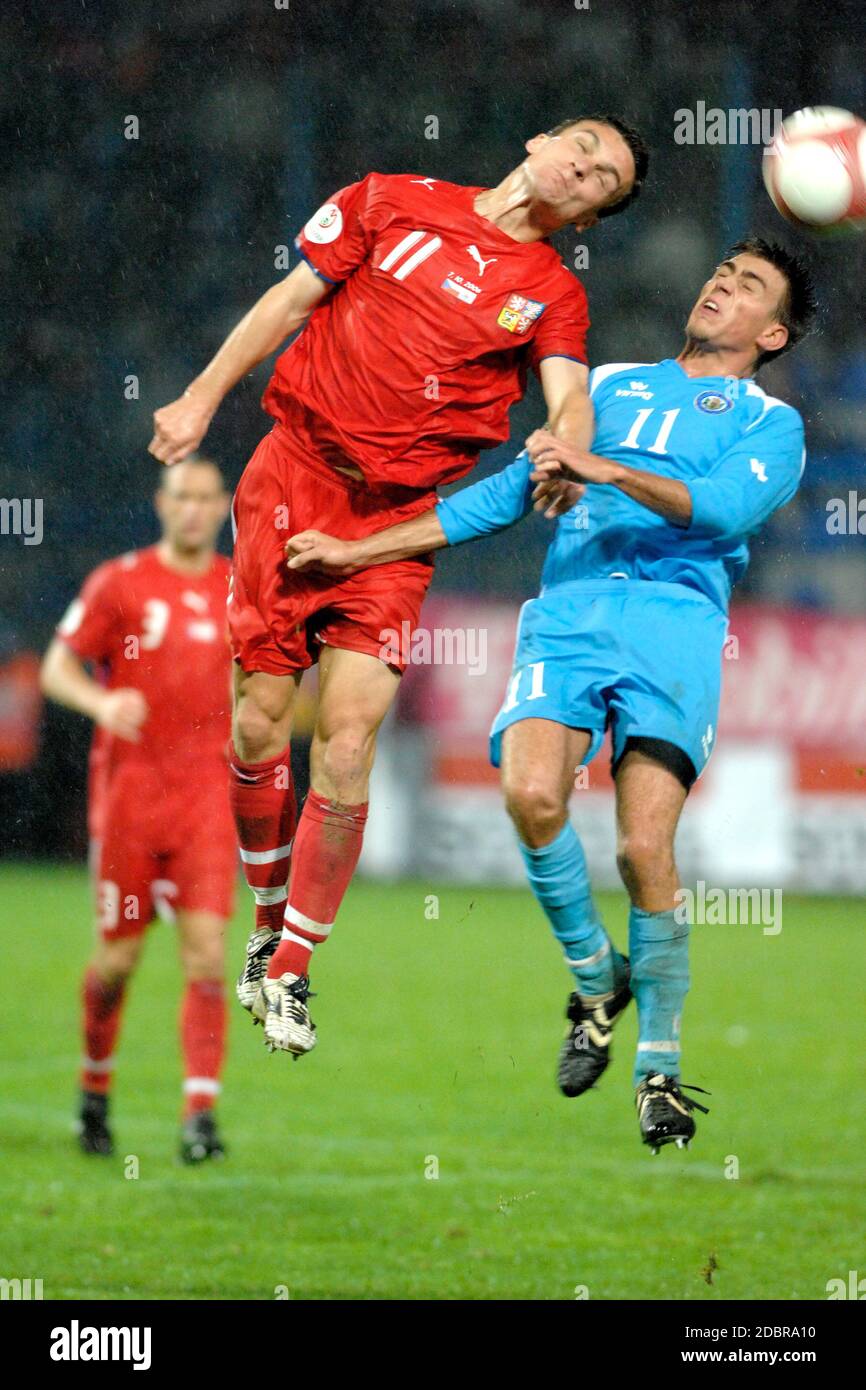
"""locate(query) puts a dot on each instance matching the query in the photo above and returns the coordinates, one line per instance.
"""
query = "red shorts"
(162, 849)
(278, 618)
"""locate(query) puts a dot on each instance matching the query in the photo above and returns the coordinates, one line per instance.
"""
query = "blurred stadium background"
(127, 260)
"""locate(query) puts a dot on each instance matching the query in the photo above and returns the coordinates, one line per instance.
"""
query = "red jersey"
(412, 363)
(148, 627)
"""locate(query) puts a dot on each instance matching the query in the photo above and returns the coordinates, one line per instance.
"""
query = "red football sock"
(103, 1005)
(326, 852)
(203, 1040)
(262, 798)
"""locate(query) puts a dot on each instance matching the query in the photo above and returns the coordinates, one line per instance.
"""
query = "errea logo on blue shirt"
(636, 388)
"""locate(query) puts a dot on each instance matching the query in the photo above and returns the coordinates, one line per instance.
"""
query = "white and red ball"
(815, 169)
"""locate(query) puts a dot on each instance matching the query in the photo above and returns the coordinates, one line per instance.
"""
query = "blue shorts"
(640, 656)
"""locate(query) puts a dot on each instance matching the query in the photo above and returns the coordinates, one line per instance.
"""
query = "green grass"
(438, 1038)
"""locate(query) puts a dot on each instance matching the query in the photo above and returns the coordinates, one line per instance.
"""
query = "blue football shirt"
(739, 452)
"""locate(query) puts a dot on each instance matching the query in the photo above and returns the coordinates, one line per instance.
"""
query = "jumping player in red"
(152, 623)
(423, 305)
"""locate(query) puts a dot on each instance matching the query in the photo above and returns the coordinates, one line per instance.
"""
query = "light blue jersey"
(629, 626)
(739, 452)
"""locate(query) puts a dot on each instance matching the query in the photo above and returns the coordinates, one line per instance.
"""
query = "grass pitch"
(423, 1151)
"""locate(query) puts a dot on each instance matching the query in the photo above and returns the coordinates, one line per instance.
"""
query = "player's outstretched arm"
(179, 428)
(758, 474)
(64, 679)
(493, 504)
(570, 412)
(571, 418)
(667, 497)
(313, 550)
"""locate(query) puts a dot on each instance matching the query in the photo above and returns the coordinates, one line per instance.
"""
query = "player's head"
(586, 168)
(759, 299)
(192, 504)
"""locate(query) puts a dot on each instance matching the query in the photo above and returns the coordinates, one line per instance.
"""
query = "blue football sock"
(659, 951)
(558, 878)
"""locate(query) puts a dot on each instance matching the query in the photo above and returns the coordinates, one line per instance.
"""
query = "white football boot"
(282, 1004)
(260, 947)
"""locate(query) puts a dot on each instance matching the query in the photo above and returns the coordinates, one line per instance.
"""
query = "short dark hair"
(199, 461)
(799, 303)
(639, 153)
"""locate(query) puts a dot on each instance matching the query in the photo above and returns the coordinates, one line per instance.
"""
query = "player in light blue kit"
(689, 459)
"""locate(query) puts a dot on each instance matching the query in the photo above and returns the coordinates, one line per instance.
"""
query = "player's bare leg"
(265, 810)
(649, 801)
(103, 989)
(540, 758)
(262, 713)
(355, 693)
(201, 944)
(539, 763)
(115, 959)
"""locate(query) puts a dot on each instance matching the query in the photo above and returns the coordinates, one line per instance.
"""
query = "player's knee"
(201, 944)
(643, 858)
(536, 809)
(343, 758)
(203, 962)
(116, 960)
(254, 731)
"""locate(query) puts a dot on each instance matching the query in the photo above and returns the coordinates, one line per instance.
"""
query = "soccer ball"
(815, 169)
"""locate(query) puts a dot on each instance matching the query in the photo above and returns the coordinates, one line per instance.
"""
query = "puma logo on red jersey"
(476, 256)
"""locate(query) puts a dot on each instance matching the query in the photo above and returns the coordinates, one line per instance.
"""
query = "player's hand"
(552, 458)
(554, 496)
(122, 712)
(179, 428)
(313, 550)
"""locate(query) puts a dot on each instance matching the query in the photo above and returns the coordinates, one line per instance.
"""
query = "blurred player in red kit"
(423, 304)
(152, 624)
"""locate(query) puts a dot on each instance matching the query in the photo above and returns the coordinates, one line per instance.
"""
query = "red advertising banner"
(790, 677)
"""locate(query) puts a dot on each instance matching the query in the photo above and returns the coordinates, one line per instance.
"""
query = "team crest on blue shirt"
(713, 402)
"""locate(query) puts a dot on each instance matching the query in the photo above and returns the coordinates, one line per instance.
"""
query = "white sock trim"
(666, 1046)
(100, 1068)
(297, 919)
(266, 856)
(201, 1085)
(266, 896)
(305, 941)
(590, 960)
